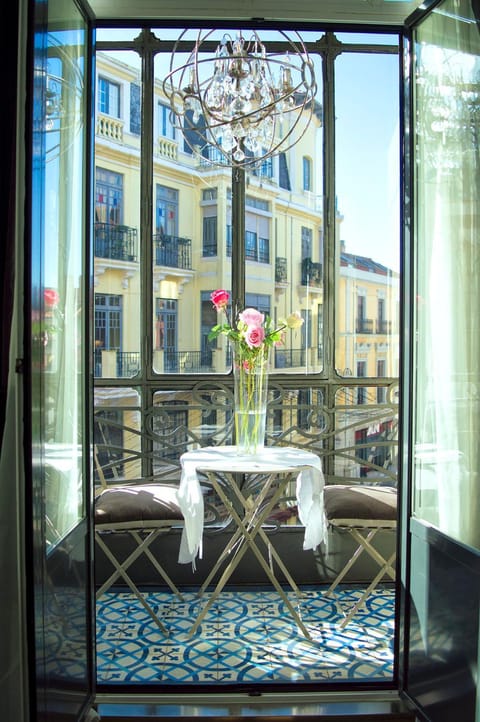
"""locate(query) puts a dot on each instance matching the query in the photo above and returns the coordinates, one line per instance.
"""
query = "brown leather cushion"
(349, 503)
(137, 505)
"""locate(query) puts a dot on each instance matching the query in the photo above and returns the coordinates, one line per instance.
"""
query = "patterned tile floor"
(247, 637)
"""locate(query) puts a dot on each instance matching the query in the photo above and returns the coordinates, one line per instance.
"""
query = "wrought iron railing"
(364, 325)
(172, 251)
(260, 254)
(210, 154)
(115, 242)
(281, 270)
(188, 361)
(289, 358)
(356, 442)
(128, 363)
(312, 273)
(384, 327)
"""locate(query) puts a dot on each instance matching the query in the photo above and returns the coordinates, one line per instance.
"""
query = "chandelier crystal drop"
(243, 102)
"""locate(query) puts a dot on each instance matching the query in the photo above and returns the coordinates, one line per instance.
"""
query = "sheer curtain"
(447, 270)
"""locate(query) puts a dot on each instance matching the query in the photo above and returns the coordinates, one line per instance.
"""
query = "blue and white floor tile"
(247, 636)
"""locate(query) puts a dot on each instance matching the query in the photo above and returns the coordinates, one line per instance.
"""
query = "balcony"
(364, 325)
(384, 327)
(281, 271)
(128, 364)
(110, 128)
(172, 251)
(116, 364)
(288, 358)
(118, 243)
(188, 362)
(312, 273)
(167, 148)
(210, 156)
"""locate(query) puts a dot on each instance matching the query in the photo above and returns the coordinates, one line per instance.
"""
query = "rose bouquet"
(251, 336)
(254, 332)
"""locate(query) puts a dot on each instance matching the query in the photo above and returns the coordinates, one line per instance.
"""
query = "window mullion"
(146, 46)
(238, 237)
(329, 53)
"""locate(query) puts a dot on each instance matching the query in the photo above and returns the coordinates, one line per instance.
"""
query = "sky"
(367, 155)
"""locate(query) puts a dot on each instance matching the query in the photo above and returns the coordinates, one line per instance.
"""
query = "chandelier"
(448, 112)
(60, 90)
(242, 101)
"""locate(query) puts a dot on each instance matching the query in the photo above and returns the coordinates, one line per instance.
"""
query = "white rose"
(294, 320)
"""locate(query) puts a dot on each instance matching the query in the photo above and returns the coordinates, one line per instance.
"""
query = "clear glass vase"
(250, 400)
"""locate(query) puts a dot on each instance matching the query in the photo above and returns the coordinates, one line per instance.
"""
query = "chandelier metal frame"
(247, 103)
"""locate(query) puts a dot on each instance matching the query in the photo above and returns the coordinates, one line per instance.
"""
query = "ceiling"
(378, 12)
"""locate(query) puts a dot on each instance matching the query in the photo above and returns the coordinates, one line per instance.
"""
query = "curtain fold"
(447, 403)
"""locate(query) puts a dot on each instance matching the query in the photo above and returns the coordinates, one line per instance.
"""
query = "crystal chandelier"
(244, 102)
(60, 90)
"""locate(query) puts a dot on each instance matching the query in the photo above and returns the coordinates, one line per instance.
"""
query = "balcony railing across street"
(364, 325)
(128, 363)
(289, 358)
(281, 272)
(115, 242)
(172, 251)
(312, 273)
(188, 361)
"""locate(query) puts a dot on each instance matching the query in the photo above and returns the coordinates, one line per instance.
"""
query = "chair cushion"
(137, 505)
(349, 503)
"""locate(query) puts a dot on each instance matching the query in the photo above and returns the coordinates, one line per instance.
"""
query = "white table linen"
(273, 459)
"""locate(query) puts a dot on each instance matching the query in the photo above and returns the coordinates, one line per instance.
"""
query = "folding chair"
(144, 512)
(362, 511)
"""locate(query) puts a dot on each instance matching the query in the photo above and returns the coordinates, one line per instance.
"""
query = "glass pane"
(284, 248)
(367, 38)
(366, 438)
(117, 216)
(117, 432)
(192, 237)
(447, 292)
(176, 222)
(58, 372)
(368, 229)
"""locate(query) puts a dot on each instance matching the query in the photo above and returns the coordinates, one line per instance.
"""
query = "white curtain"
(447, 270)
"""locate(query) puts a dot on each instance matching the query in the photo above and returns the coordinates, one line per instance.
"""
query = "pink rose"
(251, 317)
(50, 297)
(220, 299)
(254, 336)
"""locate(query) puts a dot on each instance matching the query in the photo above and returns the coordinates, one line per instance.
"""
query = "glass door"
(57, 456)
(444, 370)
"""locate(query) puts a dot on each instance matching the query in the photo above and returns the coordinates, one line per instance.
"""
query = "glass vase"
(250, 400)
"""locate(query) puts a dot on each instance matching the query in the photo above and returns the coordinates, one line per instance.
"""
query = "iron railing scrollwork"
(357, 444)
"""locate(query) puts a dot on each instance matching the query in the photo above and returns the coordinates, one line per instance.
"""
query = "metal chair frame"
(356, 528)
(143, 531)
